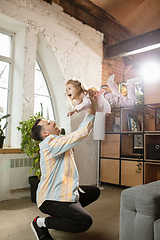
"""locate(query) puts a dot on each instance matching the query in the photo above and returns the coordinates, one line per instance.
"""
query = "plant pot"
(33, 181)
(1, 141)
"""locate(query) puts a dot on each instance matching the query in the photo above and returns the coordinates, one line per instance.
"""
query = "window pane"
(4, 74)
(4, 81)
(5, 45)
(3, 106)
(3, 101)
(5, 77)
(40, 85)
(42, 98)
(45, 102)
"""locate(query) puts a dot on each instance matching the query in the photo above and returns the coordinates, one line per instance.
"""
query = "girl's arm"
(86, 103)
(71, 113)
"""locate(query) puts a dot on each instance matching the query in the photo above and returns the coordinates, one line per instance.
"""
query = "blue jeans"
(70, 216)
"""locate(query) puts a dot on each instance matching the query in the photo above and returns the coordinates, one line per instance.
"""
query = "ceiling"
(140, 16)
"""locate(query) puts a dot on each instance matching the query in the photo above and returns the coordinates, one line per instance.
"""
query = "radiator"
(19, 173)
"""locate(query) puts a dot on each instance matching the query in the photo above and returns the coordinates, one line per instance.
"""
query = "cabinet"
(130, 153)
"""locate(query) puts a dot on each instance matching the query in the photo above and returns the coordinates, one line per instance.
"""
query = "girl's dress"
(106, 99)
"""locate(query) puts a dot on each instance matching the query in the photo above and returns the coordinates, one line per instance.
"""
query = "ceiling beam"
(92, 15)
(48, 1)
(142, 43)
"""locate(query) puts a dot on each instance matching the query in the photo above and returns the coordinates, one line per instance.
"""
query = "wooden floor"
(16, 215)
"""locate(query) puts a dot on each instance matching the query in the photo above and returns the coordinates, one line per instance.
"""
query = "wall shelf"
(122, 151)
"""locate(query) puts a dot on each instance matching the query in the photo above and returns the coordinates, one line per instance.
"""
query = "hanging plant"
(140, 112)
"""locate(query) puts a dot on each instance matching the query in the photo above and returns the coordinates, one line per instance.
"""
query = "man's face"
(49, 127)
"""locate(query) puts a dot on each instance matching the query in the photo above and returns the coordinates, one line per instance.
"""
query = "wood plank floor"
(16, 215)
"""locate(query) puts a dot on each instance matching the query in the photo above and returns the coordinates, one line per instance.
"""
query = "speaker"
(154, 151)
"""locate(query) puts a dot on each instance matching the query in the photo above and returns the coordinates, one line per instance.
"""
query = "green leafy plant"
(139, 164)
(29, 145)
(139, 167)
(140, 112)
(5, 125)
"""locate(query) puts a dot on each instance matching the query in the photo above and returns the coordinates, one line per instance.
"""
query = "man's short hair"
(36, 130)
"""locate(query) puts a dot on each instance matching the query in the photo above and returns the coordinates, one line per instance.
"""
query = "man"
(58, 193)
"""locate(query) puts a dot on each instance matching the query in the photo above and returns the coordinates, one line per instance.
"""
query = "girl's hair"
(81, 89)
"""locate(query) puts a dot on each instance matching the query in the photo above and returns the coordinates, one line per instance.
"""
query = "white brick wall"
(77, 53)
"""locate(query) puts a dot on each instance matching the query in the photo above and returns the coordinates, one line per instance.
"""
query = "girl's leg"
(121, 101)
(131, 87)
(66, 216)
(112, 85)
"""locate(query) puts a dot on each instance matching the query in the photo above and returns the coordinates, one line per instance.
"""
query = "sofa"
(140, 212)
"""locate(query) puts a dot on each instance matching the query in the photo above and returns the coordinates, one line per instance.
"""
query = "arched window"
(42, 97)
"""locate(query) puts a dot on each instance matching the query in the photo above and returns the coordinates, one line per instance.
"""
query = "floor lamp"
(99, 134)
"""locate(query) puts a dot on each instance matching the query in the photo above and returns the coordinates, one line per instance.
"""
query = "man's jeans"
(70, 216)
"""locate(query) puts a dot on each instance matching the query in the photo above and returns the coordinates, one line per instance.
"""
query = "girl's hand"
(71, 113)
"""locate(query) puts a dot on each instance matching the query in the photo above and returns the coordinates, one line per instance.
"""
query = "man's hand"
(93, 107)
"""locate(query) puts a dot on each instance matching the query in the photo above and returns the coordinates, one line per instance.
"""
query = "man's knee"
(97, 193)
(87, 222)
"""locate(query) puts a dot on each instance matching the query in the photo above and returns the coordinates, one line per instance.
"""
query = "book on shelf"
(132, 124)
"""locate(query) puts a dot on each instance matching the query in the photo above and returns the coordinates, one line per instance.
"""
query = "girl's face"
(72, 92)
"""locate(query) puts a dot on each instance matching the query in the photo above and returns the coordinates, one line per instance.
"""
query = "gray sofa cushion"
(157, 229)
(140, 207)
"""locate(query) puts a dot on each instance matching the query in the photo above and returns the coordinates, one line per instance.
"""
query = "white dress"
(106, 100)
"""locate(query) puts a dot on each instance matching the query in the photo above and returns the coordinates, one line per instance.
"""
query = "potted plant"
(140, 111)
(31, 147)
(28, 144)
(2, 137)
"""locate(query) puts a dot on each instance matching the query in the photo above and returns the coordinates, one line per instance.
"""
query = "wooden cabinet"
(110, 171)
(129, 174)
(110, 147)
(130, 153)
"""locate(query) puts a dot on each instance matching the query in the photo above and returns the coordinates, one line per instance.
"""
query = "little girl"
(83, 98)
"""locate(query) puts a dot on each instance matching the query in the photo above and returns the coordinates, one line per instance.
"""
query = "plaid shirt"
(60, 179)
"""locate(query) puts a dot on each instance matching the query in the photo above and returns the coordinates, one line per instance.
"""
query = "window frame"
(9, 60)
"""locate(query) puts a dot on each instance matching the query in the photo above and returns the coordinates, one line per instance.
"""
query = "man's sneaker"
(41, 233)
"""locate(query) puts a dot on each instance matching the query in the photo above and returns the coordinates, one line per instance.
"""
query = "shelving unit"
(130, 145)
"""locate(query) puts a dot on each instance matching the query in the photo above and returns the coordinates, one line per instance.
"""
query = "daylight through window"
(5, 73)
(42, 97)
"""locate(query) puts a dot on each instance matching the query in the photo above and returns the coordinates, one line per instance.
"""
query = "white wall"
(68, 49)
(8, 180)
